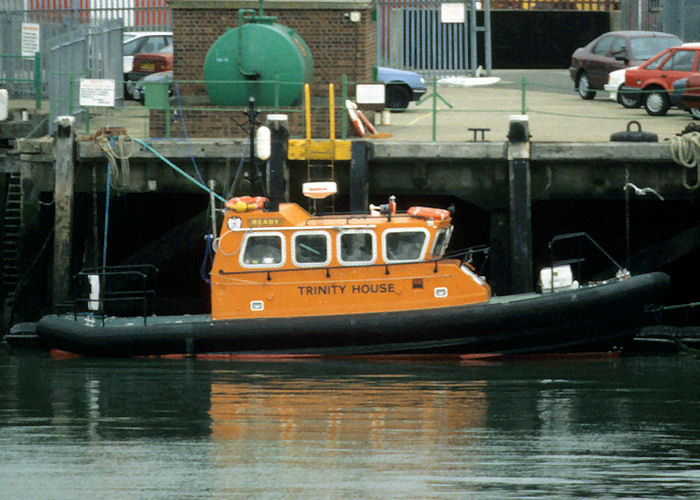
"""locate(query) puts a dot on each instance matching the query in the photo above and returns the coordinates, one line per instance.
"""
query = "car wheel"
(628, 98)
(583, 87)
(657, 102)
(397, 97)
(695, 113)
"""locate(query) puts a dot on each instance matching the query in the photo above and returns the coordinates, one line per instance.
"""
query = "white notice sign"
(452, 12)
(31, 35)
(96, 92)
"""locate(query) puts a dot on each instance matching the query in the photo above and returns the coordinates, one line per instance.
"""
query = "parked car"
(401, 87)
(591, 65)
(655, 77)
(686, 95)
(147, 64)
(137, 89)
(629, 98)
(137, 42)
(691, 95)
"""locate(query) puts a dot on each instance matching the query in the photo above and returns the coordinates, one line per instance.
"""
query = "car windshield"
(642, 48)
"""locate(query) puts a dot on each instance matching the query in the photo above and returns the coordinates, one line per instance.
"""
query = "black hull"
(598, 318)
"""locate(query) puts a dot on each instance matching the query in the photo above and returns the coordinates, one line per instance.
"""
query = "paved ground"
(555, 111)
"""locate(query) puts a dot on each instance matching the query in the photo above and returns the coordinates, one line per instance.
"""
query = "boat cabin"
(288, 263)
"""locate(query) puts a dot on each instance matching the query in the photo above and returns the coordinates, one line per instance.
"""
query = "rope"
(177, 169)
(208, 259)
(685, 150)
(116, 158)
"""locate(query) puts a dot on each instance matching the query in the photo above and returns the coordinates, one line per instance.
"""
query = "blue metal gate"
(418, 35)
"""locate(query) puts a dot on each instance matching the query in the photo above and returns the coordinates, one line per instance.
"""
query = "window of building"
(263, 250)
(311, 249)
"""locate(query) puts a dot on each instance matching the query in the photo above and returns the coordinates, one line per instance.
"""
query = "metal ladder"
(11, 229)
(320, 171)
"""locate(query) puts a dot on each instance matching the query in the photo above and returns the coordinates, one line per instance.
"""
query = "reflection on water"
(331, 429)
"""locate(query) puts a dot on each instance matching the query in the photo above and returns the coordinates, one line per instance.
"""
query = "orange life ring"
(245, 203)
(354, 119)
(428, 213)
(366, 123)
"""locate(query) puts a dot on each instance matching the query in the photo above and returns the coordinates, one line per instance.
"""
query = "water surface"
(153, 428)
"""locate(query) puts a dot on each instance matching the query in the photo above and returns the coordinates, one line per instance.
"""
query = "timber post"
(359, 176)
(64, 172)
(520, 205)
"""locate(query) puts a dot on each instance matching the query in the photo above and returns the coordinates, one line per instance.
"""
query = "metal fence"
(680, 17)
(17, 72)
(89, 51)
(137, 15)
(424, 36)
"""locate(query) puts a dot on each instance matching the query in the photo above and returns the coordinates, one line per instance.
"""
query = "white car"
(138, 42)
(615, 86)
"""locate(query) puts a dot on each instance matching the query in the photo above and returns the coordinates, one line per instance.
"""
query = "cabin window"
(442, 239)
(263, 250)
(356, 247)
(404, 246)
(309, 249)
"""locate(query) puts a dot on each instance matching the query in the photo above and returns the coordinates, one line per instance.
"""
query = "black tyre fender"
(398, 95)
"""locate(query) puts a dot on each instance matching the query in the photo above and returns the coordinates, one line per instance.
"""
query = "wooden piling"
(64, 170)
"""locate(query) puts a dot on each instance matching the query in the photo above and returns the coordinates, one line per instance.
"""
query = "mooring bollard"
(521, 276)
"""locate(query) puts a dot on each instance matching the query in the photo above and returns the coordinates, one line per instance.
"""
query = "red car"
(591, 65)
(148, 63)
(655, 77)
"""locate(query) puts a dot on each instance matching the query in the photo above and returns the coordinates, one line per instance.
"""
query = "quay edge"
(568, 183)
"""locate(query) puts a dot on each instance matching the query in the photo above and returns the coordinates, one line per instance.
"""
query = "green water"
(148, 428)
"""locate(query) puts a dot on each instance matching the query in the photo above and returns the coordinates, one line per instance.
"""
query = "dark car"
(591, 65)
(145, 64)
(687, 94)
(137, 89)
(401, 86)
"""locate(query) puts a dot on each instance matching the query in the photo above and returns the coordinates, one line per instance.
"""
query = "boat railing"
(467, 256)
(104, 291)
(579, 259)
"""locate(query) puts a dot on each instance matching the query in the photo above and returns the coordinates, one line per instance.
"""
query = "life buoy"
(365, 121)
(428, 213)
(354, 119)
(245, 203)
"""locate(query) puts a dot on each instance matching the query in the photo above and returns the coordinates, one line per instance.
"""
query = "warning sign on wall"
(31, 36)
(96, 92)
(452, 12)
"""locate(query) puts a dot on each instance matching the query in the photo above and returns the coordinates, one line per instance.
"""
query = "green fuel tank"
(246, 61)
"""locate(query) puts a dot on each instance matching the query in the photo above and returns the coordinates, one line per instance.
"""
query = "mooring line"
(177, 169)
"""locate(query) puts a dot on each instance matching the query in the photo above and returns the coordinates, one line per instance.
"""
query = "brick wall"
(203, 122)
(338, 47)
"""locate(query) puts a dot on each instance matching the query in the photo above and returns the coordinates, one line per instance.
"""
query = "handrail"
(449, 256)
(144, 272)
(621, 271)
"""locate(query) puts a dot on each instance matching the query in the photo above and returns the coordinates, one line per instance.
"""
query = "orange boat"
(288, 283)
(285, 282)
